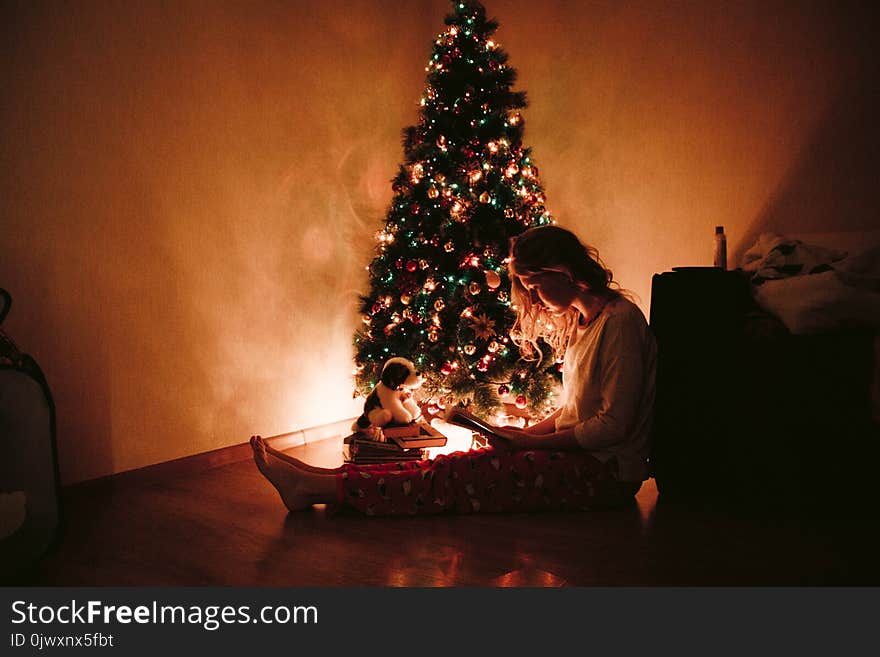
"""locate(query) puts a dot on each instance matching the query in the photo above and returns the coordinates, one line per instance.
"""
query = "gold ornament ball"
(474, 288)
(433, 192)
(470, 349)
(433, 335)
(493, 346)
(439, 305)
(405, 299)
(485, 197)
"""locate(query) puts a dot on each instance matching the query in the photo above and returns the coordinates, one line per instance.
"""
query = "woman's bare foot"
(286, 478)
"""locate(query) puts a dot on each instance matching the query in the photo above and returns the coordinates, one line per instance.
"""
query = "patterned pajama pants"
(483, 480)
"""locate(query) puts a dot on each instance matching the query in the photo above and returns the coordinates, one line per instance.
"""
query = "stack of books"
(392, 444)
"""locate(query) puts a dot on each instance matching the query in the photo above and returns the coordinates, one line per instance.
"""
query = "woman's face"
(554, 290)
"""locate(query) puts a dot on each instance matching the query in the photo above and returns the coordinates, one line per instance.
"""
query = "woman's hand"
(515, 440)
(512, 439)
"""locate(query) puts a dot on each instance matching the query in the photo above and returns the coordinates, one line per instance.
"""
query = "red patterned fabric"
(486, 480)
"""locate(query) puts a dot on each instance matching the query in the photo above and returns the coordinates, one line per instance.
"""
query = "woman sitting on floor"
(592, 452)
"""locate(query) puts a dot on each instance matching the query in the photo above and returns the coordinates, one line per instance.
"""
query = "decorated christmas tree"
(439, 287)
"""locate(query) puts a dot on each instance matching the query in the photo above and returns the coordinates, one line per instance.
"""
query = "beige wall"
(189, 188)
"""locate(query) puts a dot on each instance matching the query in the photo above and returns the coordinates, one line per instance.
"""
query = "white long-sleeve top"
(609, 377)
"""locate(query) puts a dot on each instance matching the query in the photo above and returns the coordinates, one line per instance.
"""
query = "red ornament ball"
(520, 401)
(411, 266)
(446, 368)
(503, 390)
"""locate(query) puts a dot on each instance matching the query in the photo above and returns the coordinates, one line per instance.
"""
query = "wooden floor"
(226, 526)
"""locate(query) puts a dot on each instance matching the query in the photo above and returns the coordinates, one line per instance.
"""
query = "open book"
(467, 419)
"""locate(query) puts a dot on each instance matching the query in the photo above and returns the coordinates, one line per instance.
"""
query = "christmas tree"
(439, 287)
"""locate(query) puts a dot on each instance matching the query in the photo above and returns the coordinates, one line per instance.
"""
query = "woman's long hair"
(546, 249)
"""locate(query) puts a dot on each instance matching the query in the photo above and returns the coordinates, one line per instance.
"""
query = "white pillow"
(819, 303)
